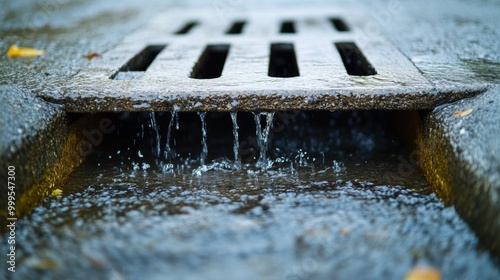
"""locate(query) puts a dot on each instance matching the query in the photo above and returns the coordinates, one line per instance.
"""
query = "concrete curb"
(38, 141)
(460, 156)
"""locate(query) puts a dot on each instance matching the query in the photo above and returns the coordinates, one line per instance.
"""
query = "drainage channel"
(265, 195)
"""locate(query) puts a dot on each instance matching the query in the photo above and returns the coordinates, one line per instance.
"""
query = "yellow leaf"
(423, 273)
(90, 56)
(462, 113)
(15, 51)
(56, 192)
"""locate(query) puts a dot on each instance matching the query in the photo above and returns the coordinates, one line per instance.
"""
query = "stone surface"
(31, 139)
(463, 161)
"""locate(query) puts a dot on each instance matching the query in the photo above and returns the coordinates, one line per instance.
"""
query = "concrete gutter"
(461, 159)
(38, 141)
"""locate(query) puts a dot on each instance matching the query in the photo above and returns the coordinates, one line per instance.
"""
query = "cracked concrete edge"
(39, 142)
(460, 156)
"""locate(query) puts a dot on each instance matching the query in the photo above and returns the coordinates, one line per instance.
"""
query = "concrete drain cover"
(196, 61)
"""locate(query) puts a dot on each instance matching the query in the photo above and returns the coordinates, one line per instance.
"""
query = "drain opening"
(211, 62)
(175, 137)
(137, 66)
(339, 24)
(186, 28)
(282, 62)
(287, 27)
(354, 61)
(236, 28)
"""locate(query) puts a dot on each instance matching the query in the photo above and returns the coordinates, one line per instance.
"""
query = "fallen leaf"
(42, 263)
(15, 51)
(56, 192)
(344, 232)
(90, 56)
(423, 273)
(462, 113)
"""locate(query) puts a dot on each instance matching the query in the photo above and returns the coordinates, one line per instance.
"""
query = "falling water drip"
(141, 133)
(176, 117)
(263, 136)
(168, 149)
(236, 148)
(258, 129)
(204, 151)
(156, 149)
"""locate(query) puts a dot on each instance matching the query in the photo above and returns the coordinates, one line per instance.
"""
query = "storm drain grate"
(277, 61)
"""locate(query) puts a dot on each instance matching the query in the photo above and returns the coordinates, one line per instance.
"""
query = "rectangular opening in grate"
(137, 66)
(187, 27)
(282, 62)
(236, 27)
(211, 62)
(287, 27)
(355, 62)
(339, 24)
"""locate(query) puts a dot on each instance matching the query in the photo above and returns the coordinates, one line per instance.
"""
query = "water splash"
(204, 151)
(236, 148)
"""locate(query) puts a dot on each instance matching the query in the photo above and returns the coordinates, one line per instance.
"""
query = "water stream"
(156, 149)
(204, 151)
(169, 151)
(236, 147)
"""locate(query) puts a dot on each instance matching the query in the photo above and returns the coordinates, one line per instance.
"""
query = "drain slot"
(137, 66)
(287, 27)
(354, 61)
(236, 28)
(282, 62)
(339, 25)
(211, 62)
(186, 28)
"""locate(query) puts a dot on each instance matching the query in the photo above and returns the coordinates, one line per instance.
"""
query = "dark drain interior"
(339, 24)
(211, 62)
(287, 27)
(137, 66)
(321, 135)
(236, 27)
(282, 62)
(187, 28)
(355, 62)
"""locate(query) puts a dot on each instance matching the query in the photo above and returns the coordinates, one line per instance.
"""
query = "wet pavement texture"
(121, 224)
(361, 211)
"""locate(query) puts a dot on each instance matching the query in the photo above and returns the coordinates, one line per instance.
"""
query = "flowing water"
(307, 195)
(204, 151)
(236, 148)
(156, 149)
(168, 149)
